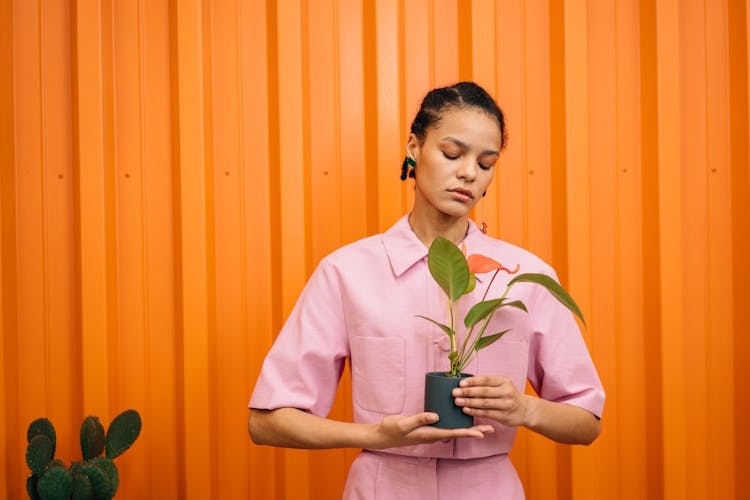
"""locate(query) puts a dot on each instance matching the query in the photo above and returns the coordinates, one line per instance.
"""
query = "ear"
(413, 146)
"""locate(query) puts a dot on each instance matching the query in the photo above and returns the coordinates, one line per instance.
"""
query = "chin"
(456, 212)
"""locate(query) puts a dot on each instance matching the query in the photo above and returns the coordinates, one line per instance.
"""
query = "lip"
(462, 194)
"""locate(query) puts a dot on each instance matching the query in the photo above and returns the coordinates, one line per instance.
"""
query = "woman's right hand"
(399, 430)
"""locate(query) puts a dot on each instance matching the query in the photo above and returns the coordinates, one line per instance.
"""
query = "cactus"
(96, 476)
(39, 453)
(31, 483)
(99, 480)
(122, 432)
(109, 467)
(55, 484)
(82, 489)
(57, 463)
(92, 438)
(42, 426)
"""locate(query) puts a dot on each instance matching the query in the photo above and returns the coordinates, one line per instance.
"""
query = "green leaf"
(446, 329)
(448, 268)
(480, 311)
(517, 304)
(489, 339)
(472, 283)
(552, 287)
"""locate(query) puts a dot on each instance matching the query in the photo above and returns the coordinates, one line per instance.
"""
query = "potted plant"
(456, 276)
(96, 476)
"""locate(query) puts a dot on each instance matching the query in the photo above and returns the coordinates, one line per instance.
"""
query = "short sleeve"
(304, 365)
(560, 366)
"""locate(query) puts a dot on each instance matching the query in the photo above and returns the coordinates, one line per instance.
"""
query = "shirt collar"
(404, 249)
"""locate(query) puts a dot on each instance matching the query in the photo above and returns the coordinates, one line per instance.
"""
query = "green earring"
(408, 168)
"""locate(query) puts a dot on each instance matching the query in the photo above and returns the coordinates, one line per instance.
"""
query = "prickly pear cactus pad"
(122, 432)
(92, 438)
(108, 466)
(55, 484)
(82, 489)
(99, 480)
(42, 426)
(31, 483)
(39, 453)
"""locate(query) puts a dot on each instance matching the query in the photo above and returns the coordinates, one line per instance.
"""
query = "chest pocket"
(378, 373)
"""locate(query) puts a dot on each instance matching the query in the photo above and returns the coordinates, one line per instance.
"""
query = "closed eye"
(456, 157)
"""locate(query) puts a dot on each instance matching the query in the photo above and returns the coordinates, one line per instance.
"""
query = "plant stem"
(488, 286)
(465, 357)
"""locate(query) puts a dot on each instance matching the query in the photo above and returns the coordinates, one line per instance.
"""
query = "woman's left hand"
(494, 397)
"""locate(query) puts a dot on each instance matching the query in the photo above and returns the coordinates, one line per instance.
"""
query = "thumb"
(420, 420)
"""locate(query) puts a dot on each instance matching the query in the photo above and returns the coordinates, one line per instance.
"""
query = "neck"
(428, 228)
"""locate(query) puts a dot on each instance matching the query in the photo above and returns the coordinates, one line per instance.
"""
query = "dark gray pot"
(438, 399)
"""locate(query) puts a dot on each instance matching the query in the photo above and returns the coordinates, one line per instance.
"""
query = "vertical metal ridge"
(651, 246)
(738, 16)
(43, 201)
(617, 278)
(525, 134)
(370, 74)
(430, 14)
(337, 107)
(669, 199)
(194, 238)
(241, 172)
(10, 469)
(306, 124)
(91, 180)
(179, 341)
(402, 69)
(109, 195)
(209, 196)
(145, 254)
(558, 141)
(274, 148)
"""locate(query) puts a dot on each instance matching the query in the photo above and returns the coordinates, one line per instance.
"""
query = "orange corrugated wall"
(172, 171)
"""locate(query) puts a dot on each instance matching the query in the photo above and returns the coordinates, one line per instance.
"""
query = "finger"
(408, 424)
(438, 434)
(478, 412)
(483, 391)
(484, 403)
(480, 380)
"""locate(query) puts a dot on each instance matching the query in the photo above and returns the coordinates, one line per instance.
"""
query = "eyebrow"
(466, 146)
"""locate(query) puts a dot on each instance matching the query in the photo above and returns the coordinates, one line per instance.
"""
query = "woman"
(361, 303)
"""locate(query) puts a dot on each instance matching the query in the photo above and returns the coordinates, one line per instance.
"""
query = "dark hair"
(457, 96)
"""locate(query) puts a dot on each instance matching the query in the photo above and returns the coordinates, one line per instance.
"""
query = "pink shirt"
(361, 302)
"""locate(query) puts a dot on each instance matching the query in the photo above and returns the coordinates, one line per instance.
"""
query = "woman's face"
(456, 161)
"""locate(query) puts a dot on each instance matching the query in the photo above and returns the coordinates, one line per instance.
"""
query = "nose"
(467, 169)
